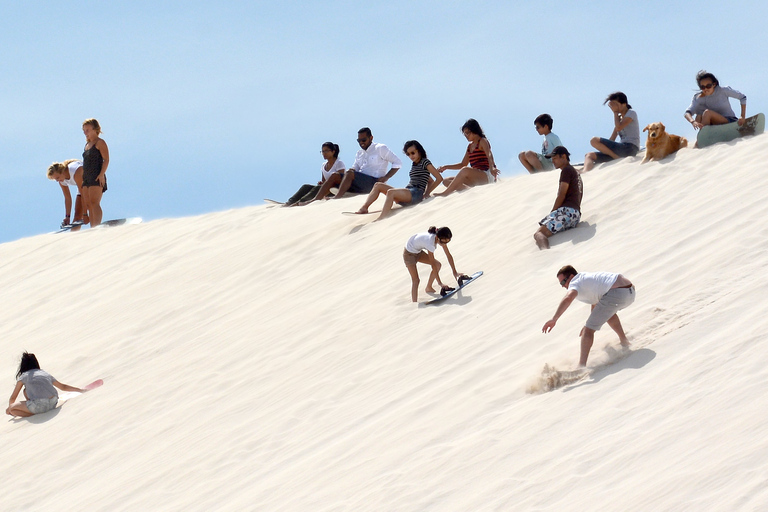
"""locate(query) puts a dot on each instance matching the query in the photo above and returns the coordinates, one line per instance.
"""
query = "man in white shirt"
(606, 292)
(371, 163)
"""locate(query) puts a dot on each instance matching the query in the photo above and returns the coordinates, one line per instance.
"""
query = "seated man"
(566, 211)
(370, 166)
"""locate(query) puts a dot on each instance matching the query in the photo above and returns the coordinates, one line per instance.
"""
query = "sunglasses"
(362, 140)
(445, 240)
(704, 87)
(563, 281)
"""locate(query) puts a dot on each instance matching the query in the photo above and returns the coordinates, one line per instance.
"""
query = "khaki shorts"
(42, 405)
(411, 258)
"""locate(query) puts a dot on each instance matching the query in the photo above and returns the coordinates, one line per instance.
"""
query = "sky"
(208, 106)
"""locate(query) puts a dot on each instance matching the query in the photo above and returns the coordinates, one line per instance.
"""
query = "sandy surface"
(270, 358)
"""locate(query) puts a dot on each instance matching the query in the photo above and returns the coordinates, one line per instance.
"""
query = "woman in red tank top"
(477, 167)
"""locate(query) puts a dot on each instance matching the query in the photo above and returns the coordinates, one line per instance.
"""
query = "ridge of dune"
(270, 358)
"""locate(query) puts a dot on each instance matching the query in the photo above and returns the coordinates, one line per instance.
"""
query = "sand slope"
(270, 359)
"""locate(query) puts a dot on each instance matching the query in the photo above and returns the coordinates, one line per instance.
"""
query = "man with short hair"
(606, 292)
(566, 212)
(370, 167)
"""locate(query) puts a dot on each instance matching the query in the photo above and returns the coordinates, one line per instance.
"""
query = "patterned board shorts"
(42, 405)
(561, 219)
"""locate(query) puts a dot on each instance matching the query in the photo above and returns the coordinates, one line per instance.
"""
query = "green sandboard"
(713, 134)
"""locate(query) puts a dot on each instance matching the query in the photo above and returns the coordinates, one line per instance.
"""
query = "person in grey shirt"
(712, 105)
(625, 126)
(39, 389)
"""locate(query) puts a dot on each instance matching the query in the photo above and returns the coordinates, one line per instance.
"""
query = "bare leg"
(467, 177)
(587, 338)
(325, 188)
(20, 410)
(589, 162)
(414, 282)
(400, 195)
(542, 237)
(602, 147)
(92, 196)
(346, 182)
(712, 117)
(615, 324)
(530, 161)
(435, 274)
(378, 188)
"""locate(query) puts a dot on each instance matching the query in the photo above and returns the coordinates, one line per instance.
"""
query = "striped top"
(477, 158)
(420, 175)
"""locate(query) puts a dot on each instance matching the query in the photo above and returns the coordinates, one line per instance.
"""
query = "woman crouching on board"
(420, 248)
(70, 174)
(39, 389)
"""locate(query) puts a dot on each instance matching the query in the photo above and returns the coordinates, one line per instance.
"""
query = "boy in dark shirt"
(566, 211)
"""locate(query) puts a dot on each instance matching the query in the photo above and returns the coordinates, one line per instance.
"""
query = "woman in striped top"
(477, 167)
(420, 186)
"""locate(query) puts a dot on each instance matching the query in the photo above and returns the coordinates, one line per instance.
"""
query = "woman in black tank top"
(95, 163)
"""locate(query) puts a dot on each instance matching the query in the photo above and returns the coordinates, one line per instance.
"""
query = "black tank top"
(92, 160)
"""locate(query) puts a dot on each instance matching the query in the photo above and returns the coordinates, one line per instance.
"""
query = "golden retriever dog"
(660, 143)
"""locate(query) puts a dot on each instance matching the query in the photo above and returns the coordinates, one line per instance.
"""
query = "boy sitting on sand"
(535, 162)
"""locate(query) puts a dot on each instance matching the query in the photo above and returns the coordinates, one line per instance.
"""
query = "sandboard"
(713, 134)
(367, 213)
(472, 278)
(69, 395)
(272, 201)
(119, 222)
(68, 227)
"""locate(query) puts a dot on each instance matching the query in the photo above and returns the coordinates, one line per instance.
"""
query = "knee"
(437, 265)
(594, 141)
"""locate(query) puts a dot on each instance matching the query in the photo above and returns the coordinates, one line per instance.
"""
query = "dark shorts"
(363, 183)
(623, 149)
(417, 196)
(91, 179)
(732, 119)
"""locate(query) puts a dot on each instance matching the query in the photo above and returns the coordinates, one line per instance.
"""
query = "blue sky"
(210, 106)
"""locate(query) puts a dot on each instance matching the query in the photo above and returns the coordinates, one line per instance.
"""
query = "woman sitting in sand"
(419, 187)
(331, 171)
(477, 167)
(711, 105)
(625, 126)
(420, 248)
(39, 389)
(95, 163)
(70, 174)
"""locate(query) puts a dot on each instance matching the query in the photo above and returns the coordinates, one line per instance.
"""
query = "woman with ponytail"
(420, 248)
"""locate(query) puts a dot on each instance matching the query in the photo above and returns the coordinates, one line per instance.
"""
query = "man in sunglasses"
(371, 163)
(606, 292)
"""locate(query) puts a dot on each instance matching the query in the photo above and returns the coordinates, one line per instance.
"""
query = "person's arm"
(104, 150)
(392, 158)
(66, 387)
(569, 296)
(464, 162)
(743, 114)
(450, 261)
(486, 147)
(433, 183)
(15, 393)
(620, 122)
(561, 191)
(67, 202)
(689, 113)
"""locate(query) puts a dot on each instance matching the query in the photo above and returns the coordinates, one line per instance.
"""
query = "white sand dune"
(271, 359)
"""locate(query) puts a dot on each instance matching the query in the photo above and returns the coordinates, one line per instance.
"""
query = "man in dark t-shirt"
(566, 212)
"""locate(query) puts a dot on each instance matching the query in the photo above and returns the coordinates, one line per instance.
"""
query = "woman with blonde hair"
(95, 163)
(67, 174)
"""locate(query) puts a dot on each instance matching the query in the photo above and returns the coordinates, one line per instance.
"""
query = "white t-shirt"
(337, 166)
(74, 166)
(375, 160)
(421, 242)
(592, 285)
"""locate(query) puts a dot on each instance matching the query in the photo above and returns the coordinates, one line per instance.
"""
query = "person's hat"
(559, 150)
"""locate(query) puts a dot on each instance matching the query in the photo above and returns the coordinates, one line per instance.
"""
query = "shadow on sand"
(581, 233)
(634, 361)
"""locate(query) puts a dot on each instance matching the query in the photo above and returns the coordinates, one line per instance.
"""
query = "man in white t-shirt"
(371, 165)
(606, 292)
